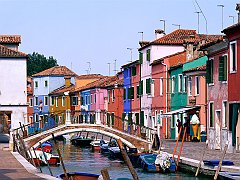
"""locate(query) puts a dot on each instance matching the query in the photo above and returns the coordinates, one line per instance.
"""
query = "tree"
(38, 62)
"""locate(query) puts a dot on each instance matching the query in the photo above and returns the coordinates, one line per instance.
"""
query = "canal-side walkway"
(14, 166)
(192, 153)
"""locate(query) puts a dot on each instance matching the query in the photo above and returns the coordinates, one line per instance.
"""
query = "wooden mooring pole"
(201, 160)
(45, 157)
(127, 160)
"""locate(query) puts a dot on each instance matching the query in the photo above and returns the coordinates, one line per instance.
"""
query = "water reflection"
(84, 160)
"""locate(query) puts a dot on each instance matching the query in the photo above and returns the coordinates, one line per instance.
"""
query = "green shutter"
(148, 55)
(221, 69)
(148, 86)
(130, 118)
(211, 71)
(140, 87)
(142, 118)
(208, 72)
(134, 71)
(225, 68)
(138, 91)
(112, 119)
(137, 118)
(129, 93)
(123, 116)
(140, 57)
(124, 93)
(132, 92)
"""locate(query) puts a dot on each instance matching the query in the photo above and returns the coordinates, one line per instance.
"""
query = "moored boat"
(103, 147)
(47, 147)
(79, 176)
(114, 150)
(95, 145)
(40, 159)
(81, 141)
(229, 175)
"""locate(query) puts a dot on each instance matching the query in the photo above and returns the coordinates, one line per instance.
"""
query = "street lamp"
(109, 68)
(222, 6)
(198, 19)
(130, 52)
(177, 25)
(164, 21)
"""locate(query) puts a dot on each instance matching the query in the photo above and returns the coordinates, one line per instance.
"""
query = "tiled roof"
(231, 27)
(10, 39)
(7, 52)
(176, 57)
(199, 68)
(181, 36)
(130, 63)
(62, 89)
(89, 76)
(56, 71)
(100, 83)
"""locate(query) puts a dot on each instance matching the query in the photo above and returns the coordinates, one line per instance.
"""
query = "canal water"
(78, 159)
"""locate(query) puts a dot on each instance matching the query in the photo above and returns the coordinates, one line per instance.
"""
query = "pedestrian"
(179, 125)
(187, 126)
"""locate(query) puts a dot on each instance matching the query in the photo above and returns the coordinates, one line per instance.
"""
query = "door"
(217, 130)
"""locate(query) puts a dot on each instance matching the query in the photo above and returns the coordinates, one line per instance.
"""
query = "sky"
(91, 35)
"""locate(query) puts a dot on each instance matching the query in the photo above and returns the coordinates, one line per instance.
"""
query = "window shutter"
(134, 71)
(140, 57)
(123, 116)
(148, 86)
(130, 118)
(124, 93)
(137, 118)
(132, 92)
(221, 69)
(129, 93)
(140, 87)
(148, 55)
(142, 118)
(225, 68)
(208, 72)
(112, 119)
(138, 91)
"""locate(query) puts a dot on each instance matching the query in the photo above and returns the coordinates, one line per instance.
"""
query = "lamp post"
(177, 25)
(164, 23)
(198, 19)
(109, 68)
(130, 52)
(222, 6)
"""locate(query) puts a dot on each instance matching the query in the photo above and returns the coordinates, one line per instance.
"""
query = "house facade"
(13, 87)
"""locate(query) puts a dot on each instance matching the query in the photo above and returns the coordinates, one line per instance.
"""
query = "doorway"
(218, 130)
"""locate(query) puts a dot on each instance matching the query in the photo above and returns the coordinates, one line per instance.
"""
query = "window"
(88, 99)
(233, 57)
(82, 100)
(173, 84)
(95, 98)
(124, 94)
(91, 99)
(224, 115)
(31, 102)
(45, 100)
(180, 83)
(63, 101)
(138, 91)
(137, 118)
(185, 81)
(140, 88)
(134, 71)
(108, 96)
(56, 101)
(113, 95)
(36, 84)
(161, 86)
(148, 54)
(222, 70)
(75, 101)
(140, 57)
(36, 118)
(197, 85)
(35, 101)
(148, 86)
(189, 86)
(131, 93)
(161, 112)
(211, 114)
(46, 83)
(52, 100)
(209, 71)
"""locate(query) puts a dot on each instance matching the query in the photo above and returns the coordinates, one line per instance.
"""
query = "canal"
(78, 159)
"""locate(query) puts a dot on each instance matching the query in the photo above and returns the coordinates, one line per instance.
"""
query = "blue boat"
(114, 150)
(164, 163)
(79, 176)
(229, 175)
(216, 162)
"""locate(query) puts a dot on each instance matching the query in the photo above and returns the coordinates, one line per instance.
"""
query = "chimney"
(238, 9)
(143, 43)
(159, 33)
(67, 81)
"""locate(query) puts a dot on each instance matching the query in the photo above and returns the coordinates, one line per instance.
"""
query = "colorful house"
(13, 90)
(217, 93)
(233, 35)
(29, 100)
(44, 83)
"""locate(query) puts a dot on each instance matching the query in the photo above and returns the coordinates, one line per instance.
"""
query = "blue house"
(85, 105)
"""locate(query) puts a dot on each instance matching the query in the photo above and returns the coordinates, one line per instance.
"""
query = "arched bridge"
(129, 140)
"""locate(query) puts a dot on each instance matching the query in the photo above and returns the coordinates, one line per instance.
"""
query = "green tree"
(38, 62)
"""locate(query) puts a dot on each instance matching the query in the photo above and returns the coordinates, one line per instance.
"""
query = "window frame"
(46, 101)
(211, 114)
(231, 57)
(35, 84)
(56, 101)
(52, 101)
(161, 86)
(189, 85)
(36, 101)
(45, 83)
(173, 84)
(180, 83)
(197, 85)
(224, 114)
(63, 101)
(30, 102)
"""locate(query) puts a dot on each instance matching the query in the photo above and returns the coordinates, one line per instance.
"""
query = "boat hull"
(229, 175)
(81, 142)
(79, 176)
(53, 161)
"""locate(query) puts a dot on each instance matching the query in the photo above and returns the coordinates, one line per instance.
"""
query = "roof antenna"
(203, 15)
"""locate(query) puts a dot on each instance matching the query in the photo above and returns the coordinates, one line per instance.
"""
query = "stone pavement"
(14, 166)
(194, 150)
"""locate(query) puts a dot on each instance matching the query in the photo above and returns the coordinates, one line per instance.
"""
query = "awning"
(182, 110)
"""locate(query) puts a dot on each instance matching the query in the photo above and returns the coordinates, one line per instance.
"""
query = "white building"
(13, 83)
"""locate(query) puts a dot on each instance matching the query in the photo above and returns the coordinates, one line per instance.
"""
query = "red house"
(233, 35)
